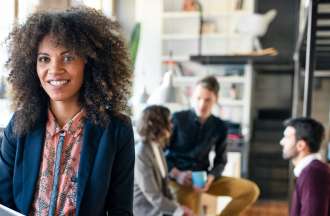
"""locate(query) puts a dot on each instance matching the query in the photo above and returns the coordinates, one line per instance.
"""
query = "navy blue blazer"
(105, 176)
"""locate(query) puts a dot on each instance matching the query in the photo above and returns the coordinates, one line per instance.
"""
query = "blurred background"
(255, 48)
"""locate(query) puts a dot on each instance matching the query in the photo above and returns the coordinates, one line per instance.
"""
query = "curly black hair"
(90, 34)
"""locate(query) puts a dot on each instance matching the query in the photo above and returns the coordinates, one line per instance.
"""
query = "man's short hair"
(210, 83)
(309, 130)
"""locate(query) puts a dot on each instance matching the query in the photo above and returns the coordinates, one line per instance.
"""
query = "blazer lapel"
(152, 157)
(91, 136)
(31, 164)
(166, 189)
(162, 182)
(164, 161)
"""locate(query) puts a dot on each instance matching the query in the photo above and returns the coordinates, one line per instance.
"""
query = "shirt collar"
(196, 118)
(305, 162)
(70, 127)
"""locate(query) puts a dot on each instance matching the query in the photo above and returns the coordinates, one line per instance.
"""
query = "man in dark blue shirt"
(195, 133)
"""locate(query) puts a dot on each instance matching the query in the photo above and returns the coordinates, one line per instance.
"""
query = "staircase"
(267, 167)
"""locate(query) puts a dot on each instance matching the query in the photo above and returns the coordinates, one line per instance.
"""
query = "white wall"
(148, 67)
(5, 27)
(126, 16)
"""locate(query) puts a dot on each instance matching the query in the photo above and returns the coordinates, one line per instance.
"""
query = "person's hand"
(210, 179)
(181, 177)
(187, 211)
(184, 178)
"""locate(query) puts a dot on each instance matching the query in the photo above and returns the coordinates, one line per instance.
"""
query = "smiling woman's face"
(60, 71)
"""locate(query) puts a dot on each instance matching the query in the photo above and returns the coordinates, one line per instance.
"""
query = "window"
(106, 6)
(6, 22)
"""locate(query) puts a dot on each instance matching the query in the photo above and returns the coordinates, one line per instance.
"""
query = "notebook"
(5, 211)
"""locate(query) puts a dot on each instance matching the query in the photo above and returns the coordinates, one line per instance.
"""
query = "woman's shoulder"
(120, 119)
(120, 127)
(115, 123)
(17, 126)
(9, 129)
(140, 148)
(143, 154)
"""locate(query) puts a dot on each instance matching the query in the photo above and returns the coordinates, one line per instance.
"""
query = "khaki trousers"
(243, 193)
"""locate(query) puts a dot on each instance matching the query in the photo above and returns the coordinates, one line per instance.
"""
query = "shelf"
(196, 36)
(178, 58)
(180, 14)
(231, 59)
(230, 102)
(180, 36)
(188, 80)
(195, 14)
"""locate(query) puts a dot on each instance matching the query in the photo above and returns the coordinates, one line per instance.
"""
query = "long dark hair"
(153, 123)
(107, 75)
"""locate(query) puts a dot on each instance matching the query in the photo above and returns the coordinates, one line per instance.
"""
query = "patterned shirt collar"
(71, 126)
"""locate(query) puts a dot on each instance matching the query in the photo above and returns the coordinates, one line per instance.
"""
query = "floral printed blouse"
(68, 167)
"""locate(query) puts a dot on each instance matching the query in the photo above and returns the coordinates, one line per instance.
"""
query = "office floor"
(268, 208)
(260, 208)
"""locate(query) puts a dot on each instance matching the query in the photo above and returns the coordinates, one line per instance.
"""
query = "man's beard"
(290, 155)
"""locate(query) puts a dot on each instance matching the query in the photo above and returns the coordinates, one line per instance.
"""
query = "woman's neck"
(64, 112)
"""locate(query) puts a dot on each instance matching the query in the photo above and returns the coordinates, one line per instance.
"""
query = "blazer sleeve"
(7, 161)
(120, 194)
(146, 180)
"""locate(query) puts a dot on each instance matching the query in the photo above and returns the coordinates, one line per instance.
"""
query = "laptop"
(5, 211)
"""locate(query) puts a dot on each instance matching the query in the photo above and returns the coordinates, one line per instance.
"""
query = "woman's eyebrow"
(41, 53)
(62, 53)
(65, 52)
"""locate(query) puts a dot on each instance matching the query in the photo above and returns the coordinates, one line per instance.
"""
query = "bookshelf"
(171, 33)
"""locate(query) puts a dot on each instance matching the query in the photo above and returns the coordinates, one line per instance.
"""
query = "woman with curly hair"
(152, 196)
(68, 149)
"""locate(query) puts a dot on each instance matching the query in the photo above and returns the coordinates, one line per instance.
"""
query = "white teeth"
(58, 82)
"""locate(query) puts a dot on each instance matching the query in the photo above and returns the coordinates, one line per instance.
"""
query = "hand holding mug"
(202, 181)
(184, 178)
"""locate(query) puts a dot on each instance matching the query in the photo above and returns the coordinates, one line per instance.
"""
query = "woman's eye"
(43, 59)
(68, 58)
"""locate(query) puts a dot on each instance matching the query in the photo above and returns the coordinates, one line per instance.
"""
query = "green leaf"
(134, 42)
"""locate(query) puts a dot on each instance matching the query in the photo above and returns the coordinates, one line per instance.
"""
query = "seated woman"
(151, 193)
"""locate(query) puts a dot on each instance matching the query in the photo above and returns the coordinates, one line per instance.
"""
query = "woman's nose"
(55, 67)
